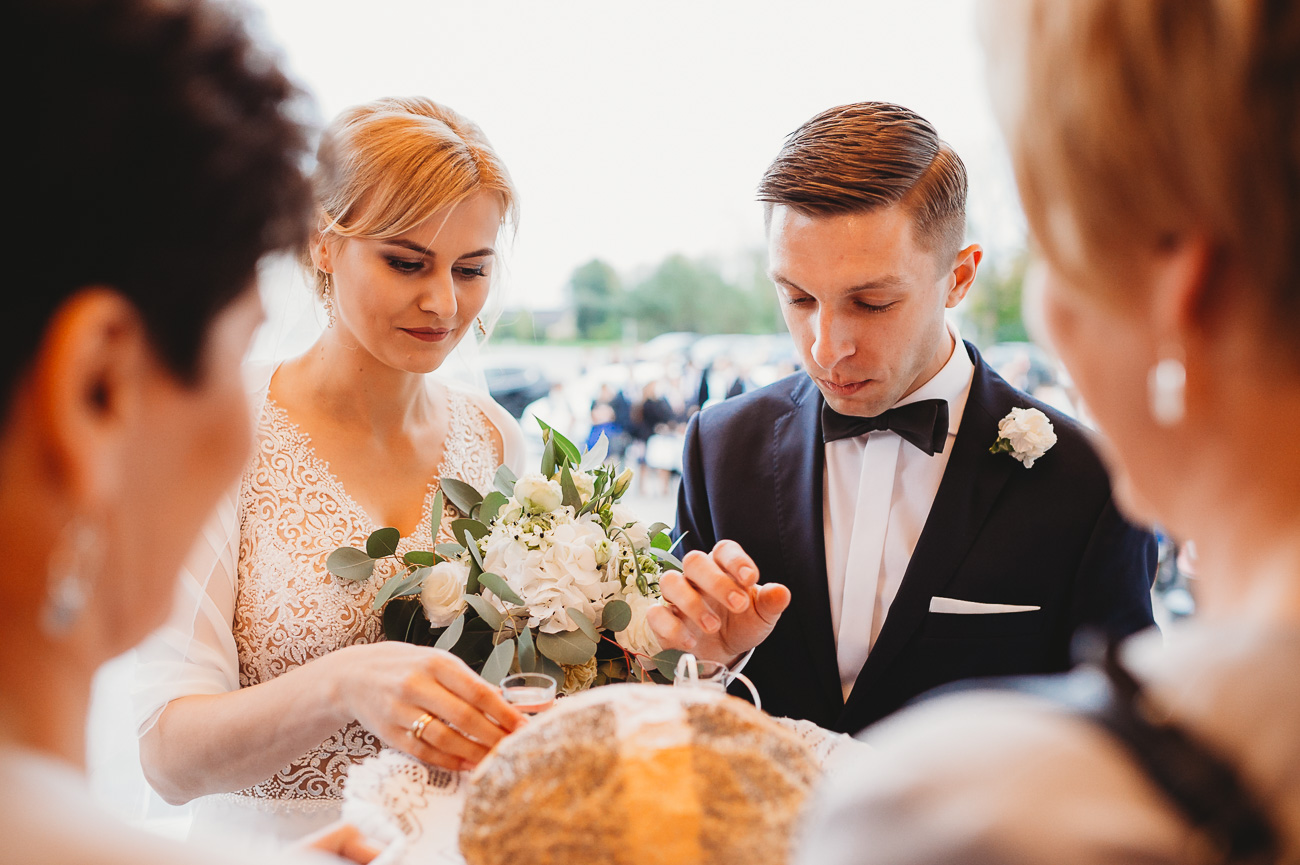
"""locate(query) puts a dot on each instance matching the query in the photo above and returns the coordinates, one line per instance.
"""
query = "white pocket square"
(952, 605)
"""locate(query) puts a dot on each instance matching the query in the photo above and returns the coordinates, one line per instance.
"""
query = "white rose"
(443, 592)
(1029, 432)
(510, 511)
(537, 494)
(585, 484)
(638, 635)
(622, 517)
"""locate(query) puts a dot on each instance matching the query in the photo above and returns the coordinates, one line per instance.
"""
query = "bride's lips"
(844, 389)
(427, 334)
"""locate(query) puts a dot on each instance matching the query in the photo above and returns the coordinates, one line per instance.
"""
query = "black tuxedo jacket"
(998, 533)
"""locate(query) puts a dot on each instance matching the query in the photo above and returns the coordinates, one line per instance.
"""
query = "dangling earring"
(1167, 391)
(70, 569)
(482, 331)
(327, 294)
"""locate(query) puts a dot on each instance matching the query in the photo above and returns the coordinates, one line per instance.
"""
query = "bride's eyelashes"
(478, 271)
(404, 265)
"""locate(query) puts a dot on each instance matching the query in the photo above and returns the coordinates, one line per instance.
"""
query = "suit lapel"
(798, 458)
(971, 484)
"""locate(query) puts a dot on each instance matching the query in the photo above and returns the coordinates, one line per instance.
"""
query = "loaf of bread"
(639, 775)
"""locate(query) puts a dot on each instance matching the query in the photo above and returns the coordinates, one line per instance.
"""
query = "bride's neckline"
(326, 472)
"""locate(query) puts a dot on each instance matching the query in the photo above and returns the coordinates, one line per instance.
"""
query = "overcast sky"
(638, 130)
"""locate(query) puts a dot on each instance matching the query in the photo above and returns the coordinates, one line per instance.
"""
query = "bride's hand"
(388, 687)
(715, 607)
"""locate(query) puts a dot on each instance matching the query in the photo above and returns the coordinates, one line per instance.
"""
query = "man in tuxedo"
(860, 532)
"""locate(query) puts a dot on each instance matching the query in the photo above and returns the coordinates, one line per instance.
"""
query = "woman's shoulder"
(980, 776)
(502, 429)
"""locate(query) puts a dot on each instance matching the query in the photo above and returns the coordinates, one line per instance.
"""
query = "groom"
(850, 521)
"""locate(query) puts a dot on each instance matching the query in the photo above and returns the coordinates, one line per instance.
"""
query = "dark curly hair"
(157, 155)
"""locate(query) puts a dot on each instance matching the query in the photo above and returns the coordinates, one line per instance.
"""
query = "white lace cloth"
(416, 808)
(256, 601)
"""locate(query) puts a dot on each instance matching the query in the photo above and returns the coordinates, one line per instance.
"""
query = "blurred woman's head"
(411, 199)
(1157, 151)
(159, 165)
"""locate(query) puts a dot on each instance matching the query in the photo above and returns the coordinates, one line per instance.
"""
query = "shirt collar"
(951, 383)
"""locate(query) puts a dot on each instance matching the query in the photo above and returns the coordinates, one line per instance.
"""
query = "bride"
(273, 679)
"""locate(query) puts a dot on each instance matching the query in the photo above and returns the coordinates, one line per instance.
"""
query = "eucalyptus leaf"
(449, 551)
(423, 558)
(493, 502)
(660, 541)
(471, 582)
(570, 489)
(567, 647)
(550, 668)
(666, 663)
(498, 663)
(497, 586)
(435, 514)
(583, 622)
(351, 564)
(596, 456)
(473, 547)
(504, 481)
(527, 651)
(665, 556)
(451, 636)
(461, 494)
(488, 613)
(548, 455)
(656, 528)
(397, 586)
(383, 542)
(616, 616)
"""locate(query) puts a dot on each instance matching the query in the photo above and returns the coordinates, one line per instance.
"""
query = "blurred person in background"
(1157, 151)
(160, 163)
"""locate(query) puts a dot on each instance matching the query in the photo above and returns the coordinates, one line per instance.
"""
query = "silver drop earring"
(327, 294)
(1167, 391)
(68, 588)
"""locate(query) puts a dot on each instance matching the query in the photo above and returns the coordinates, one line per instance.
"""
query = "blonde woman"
(1157, 149)
(274, 679)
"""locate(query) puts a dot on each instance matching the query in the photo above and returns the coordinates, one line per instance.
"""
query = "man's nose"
(832, 341)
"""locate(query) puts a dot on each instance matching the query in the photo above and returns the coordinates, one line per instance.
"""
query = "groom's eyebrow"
(878, 284)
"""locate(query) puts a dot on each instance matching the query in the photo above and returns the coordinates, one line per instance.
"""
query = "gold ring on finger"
(417, 729)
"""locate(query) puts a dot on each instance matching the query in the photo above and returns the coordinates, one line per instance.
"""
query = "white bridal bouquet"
(549, 573)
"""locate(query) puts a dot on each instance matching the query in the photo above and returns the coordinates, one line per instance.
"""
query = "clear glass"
(530, 693)
(693, 672)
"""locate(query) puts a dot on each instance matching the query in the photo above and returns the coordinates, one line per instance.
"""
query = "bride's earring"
(482, 331)
(71, 568)
(1167, 391)
(327, 295)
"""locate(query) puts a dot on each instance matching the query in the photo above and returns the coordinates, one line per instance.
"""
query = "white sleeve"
(194, 653)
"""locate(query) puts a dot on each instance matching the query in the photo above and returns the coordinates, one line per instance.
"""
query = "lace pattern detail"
(289, 609)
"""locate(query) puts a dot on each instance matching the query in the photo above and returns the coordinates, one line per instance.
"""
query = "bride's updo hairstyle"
(1130, 123)
(639, 775)
(388, 165)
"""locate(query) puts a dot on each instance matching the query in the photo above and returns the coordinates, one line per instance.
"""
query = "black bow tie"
(924, 424)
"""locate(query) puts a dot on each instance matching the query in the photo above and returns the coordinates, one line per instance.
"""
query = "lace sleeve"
(194, 653)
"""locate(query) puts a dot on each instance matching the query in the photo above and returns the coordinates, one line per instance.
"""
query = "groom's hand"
(715, 608)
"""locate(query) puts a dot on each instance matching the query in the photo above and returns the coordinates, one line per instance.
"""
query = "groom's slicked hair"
(860, 157)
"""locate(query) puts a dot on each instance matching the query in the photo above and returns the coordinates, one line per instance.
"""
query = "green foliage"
(993, 307)
(351, 564)
(451, 635)
(567, 647)
(498, 663)
(461, 494)
(666, 663)
(616, 616)
(420, 558)
(598, 300)
(498, 587)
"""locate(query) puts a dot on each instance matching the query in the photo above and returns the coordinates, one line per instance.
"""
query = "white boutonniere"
(1026, 434)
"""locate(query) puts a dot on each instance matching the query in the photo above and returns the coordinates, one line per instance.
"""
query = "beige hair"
(859, 157)
(1130, 122)
(386, 166)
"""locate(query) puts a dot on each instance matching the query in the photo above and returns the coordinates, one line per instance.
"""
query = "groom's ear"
(962, 276)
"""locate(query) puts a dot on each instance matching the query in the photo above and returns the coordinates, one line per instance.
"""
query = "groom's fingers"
(710, 580)
(669, 629)
(732, 558)
(681, 592)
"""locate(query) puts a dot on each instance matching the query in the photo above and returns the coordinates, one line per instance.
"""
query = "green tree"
(598, 300)
(993, 307)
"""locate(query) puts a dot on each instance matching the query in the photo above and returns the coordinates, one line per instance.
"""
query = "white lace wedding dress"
(256, 601)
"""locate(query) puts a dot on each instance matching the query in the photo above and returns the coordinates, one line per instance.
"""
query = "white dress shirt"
(877, 494)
